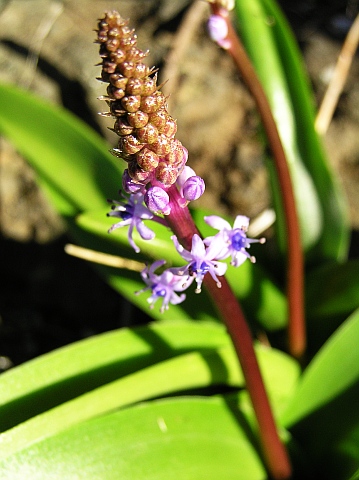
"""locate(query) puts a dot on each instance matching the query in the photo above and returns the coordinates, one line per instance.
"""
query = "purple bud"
(157, 200)
(129, 185)
(193, 188)
(184, 175)
(218, 31)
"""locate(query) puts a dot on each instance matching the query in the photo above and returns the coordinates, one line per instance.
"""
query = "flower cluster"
(157, 178)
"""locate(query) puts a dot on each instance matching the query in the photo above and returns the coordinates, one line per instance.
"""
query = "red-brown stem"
(295, 263)
(274, 452)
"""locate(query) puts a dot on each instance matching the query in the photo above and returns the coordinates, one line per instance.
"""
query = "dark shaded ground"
(48, 299)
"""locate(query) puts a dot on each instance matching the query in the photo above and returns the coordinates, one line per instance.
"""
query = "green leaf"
(323, 413)
(338, 292)
(332, 371)
(183, 438)
(91, 394)
(71, 160)
(275, 55)
(56, 377)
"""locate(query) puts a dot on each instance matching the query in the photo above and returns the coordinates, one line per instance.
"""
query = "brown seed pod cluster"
(146, 129)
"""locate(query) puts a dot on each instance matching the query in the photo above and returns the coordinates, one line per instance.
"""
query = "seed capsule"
(122, 127)
(147, 159)
(118, 80)
(127, 42)
(118, 56)
(147, 134)
(134, 54)
(162, 146)
(108, 67)
(152, 103)
(129, 145)
(114, 32)
(170, 128)
(127, 68)
(134, 86)
(159, 119)
(116, 93)
(137, 119)
(177, 156)
(141, 71)
(166, 174)
(149, 86)
(131, 103)
(112, 44)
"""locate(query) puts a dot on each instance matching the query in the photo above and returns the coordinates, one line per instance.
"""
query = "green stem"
(274, 452)
(295, 262)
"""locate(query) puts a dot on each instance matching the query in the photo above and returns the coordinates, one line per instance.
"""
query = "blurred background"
(48, 299)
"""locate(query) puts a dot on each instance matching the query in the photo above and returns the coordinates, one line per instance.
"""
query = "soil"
(48, 299)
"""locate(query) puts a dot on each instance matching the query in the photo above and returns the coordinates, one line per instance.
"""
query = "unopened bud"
(193, 188)
(157, 200)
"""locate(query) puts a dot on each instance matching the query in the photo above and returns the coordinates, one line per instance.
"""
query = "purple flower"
(132, 214)
(164, 285)
(233, 241)
(201, 260)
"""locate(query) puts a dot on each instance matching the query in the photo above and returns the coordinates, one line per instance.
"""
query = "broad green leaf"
(71, 160)
(208, 367)
(276, 57)
(185, 372)
(188, 438)
(58, 376)
(333, 371)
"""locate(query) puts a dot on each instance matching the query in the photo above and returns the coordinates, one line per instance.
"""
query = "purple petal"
(239, 258)
(220, 268)
(241, 222)
(198, 249)
(145, 232)
(184, 253)
(217, 245)
(130, 239)
(217, 222)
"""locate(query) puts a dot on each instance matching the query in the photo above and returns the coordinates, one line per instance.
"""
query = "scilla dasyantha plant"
(194, 394)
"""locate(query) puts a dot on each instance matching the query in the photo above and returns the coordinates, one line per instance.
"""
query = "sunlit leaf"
(71, 160)
(63, 374)
(187, 439)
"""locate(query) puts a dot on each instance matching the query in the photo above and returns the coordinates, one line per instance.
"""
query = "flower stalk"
(230, 312)
(223, 33)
